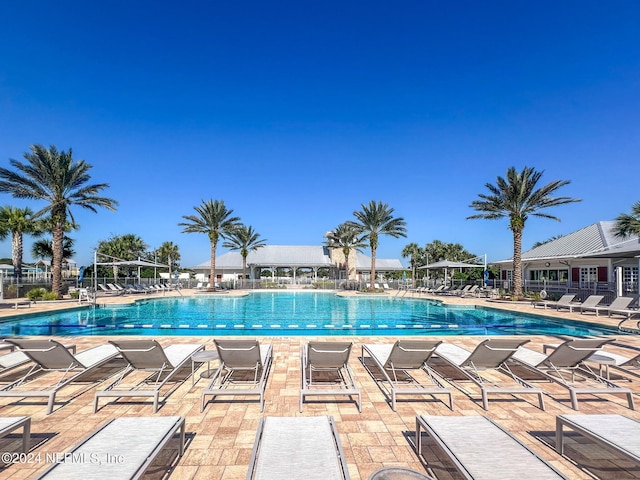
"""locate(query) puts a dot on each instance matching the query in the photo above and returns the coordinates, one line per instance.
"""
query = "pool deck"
(221, 438)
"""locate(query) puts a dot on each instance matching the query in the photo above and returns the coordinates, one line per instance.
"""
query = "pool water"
(293, 313)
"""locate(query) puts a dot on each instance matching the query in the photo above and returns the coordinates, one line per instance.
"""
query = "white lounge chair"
(326, 372)
(297, 447)
(616, 432)
(566, 366)
(564, 302)
(244, 369)
(390, 364)
(131, 444)
(590, 302)
(619, 303)
(480, 449)
(490, 354)
(10, 424)
(51, 356)
(149, 356)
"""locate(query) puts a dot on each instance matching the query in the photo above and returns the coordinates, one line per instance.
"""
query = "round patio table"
(201, 357)
(398, 473)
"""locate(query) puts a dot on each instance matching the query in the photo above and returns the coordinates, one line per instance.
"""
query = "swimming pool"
(293, 313)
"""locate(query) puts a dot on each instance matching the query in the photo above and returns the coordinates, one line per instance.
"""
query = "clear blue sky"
(296, 113)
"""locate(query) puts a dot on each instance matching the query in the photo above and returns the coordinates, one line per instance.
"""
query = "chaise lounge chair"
(297, 447)
(590, 302)
(149, 356)
(10, 424)
(325, 371)
(615, 432)
(619, 303)
(122, 448)
(481, 449)
(244, 368)
(394, 361)
(565, 366)
(490, 354)
(51, 356)
(564, 302)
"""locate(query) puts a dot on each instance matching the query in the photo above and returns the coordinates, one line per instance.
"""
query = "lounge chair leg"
(541, 398)
(630, 400)
(485, 401)
(559, 438)
(574, 400)
(26, 436)
(155, 402)
(52, 399)
(182, 437)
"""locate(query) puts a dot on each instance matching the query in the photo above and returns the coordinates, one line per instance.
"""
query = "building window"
(588, 275)
(549, 275)
(630, 279)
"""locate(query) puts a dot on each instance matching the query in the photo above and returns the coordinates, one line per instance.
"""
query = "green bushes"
(36, 294)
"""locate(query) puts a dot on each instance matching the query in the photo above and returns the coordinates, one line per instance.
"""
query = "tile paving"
(220, 439)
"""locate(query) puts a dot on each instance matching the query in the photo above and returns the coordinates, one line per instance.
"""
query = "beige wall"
(338, 258)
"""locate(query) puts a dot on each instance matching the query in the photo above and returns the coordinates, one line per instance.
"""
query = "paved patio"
(221, 438)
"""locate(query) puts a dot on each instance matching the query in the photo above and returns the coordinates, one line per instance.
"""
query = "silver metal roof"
(596, 240)
(292, 256)
(363, 262)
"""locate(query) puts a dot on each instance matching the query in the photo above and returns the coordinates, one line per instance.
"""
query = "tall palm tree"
(169, 252)
(375, 219)
(214, 219)
(628, 224)
(54, 177)
(414, 252)
(347, 237)
(516, 198)
(244, 239)
(17, 222)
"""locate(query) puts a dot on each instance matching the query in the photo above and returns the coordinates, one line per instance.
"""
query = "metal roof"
(293, 256)
(596, 240)
(363, 262)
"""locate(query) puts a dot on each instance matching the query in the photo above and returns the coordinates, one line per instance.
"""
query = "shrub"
(50, 296)
(36, 294)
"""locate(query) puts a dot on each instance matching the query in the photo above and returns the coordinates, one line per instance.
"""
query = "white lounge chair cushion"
(380, 351)
(617, 429)
(130, 439)
(486, 451)
(298, 447)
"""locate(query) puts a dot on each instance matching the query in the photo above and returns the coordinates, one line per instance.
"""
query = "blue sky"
(296, 113)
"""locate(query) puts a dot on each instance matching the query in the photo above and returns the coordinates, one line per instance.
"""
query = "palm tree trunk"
(244, 269)
(56, 261)
(517, 263)
(16, 254)
(373, 266)
(212, 274)
(346, 263)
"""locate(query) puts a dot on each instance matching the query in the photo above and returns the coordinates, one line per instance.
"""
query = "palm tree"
(516, 197)
(215, 220)
(54, 177)
(18, 222)
(377, 219)
(169, 252)
(44, 248)
(347, 237)
(244, 239)
(628, 224)
(414, 252)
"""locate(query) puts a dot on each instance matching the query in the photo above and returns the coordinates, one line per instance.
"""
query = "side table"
(201, 357)
(398, 473)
